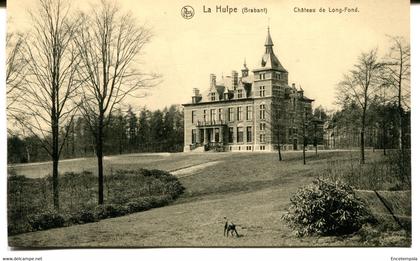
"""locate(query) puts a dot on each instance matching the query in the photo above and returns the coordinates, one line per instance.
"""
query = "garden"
(30, 205)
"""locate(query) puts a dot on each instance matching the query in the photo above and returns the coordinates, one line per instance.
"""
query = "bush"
(125, 191)
(110, 211)
(147, 203)
(18, 228)
(84, 216)
(326, 208)
(46, 220)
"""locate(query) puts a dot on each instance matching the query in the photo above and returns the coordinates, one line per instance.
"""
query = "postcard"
(144, 124)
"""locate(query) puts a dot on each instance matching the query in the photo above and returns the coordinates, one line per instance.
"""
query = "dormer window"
(212, 96)
(240, 94)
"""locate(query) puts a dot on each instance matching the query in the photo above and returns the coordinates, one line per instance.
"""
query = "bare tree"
(359, 86)
(278, 123)
(109, 42)
(397, 76)
(15, 70)
(49, 86)
(304, 121)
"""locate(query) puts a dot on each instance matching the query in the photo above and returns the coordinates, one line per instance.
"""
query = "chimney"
(212, 80)
(196, 95)
(294, 85)
(234, 79)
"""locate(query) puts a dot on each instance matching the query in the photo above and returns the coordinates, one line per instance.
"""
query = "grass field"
(251, 189)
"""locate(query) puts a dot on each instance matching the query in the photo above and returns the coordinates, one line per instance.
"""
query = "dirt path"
(190, 170)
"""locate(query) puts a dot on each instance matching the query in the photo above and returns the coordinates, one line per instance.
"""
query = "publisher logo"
(187, 12)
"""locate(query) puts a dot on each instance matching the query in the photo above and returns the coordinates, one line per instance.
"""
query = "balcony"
(211, 123)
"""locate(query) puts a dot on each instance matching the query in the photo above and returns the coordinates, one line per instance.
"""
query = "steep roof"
(269, 59)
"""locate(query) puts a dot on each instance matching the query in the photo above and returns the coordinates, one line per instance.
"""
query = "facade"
(254, 111)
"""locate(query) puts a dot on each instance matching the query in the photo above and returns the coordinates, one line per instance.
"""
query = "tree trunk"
(385, 139)
(280, 158)
(55, 158)
(278, 145)
(304, 155)
(99, 155)
(362, 146)
(362, 136)
(400, 129)
(28, 154)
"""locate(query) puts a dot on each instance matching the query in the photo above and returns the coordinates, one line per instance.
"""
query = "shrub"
(326, 208)
(139, 205)
(83, 216)
(146, 203)
(18, 227)
(126, 191)
(110, 211)
(46, 220)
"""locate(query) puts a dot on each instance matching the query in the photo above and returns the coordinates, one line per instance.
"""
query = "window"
(212, 96)
(262, 91)
(262, 111)
(239, 113)
(240, 134)
(262, 76)
(230, 134)
(240, 94)
(262, 126)
(193, 116)
(212, 115)
(231, 114)
(205, 115)
(194, 136)
(262, 137)
(248, 147)
(216, 135)
(220, 114)
(262, 147)
(249, 134)
(248, 113)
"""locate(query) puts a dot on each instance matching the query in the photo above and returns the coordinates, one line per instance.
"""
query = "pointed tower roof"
(245, 68)
(268, 41)
(269, 59)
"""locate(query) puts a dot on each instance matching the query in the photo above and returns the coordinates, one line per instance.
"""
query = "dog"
(229, 227)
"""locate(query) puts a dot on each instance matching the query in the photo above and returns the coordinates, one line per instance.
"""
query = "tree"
(51, 61)
(116, 133)
(15, 70)
(397, 76)
(359, 86)
(109, 42)
(144, 128)
(304, 121)
(156, 129)
(132, 129)
(316, 128)
(279, 117)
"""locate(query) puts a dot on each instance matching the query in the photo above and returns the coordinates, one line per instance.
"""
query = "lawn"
(251, 189)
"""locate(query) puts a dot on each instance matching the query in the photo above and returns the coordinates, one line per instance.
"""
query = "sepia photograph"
(244, 124)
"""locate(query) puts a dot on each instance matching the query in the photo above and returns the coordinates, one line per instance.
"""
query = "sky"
(316, 48)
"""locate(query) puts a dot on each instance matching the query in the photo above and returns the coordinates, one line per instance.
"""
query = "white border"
(219, 253)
